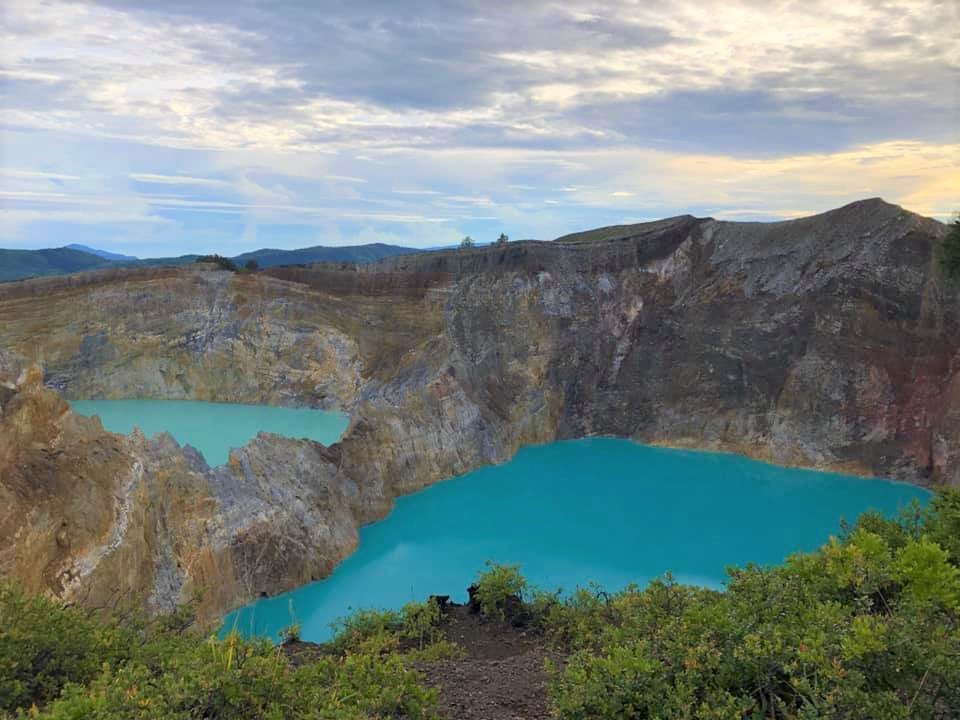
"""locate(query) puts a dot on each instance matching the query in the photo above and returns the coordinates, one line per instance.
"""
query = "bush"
(421, 622)
(496, 586)
(353, 631)
(366, 684)
(290, 634)
(239, 680)
(223, 262)
(68, 665)
(941, 522)
(387, 631)
(44, 646)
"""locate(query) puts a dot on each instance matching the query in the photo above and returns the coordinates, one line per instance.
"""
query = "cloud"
(368, 115)
(96, 217)
(205, 76)
(483, 200)
(345, 178)
(155, 179)
(31, 174)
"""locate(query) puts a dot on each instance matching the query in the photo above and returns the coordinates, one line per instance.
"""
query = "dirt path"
(500, 677)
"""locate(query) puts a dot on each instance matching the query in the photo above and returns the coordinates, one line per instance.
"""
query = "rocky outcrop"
(112, 522)
(827, 342)
(192, 332)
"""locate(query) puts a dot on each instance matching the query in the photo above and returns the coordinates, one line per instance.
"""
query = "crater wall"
(828, 342)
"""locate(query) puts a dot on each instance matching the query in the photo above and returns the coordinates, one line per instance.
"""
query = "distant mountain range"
(21, 264)
(106, 255)
(359, 254)
(18, 264)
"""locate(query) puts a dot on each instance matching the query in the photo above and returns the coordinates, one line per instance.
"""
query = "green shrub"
(291, 633)
(621, 683)
(44, 646)
(180, 620)
(941, 522)
(387, 631)
(187, 677)
(71, 666)
(439, 649)
(496, 585)
(421, 622)
(362, 626)
(369, 684)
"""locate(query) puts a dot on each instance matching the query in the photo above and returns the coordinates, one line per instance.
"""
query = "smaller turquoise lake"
(604, 510)
(214, 428)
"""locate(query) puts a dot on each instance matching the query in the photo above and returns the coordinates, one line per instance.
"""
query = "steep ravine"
(826, 342)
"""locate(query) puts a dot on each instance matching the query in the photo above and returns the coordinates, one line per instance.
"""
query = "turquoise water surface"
(604, 510)
(214, 428)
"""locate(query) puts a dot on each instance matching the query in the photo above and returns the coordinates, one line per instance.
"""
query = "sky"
(163, 127)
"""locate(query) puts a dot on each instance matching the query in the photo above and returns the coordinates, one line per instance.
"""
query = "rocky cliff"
(828, 342)
(119, 522)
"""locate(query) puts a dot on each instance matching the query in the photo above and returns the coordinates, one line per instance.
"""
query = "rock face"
(180, 333)
(112, 521)
(827, 342)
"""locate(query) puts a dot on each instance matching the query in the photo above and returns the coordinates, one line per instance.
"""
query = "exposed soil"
(501, 675)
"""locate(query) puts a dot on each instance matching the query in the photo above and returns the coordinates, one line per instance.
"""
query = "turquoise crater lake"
(214, 428)
(604, 510)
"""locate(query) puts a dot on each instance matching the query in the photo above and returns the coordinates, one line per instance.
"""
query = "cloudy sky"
(160, 127)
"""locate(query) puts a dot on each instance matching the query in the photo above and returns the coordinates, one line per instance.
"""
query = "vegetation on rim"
(950, 251)
(866, 627)
(496, 587)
